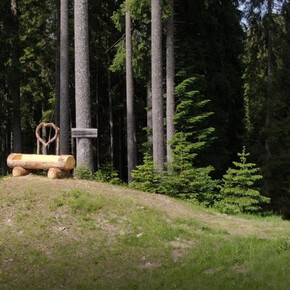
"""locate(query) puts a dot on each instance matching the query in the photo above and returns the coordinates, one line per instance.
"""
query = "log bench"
(58, 166)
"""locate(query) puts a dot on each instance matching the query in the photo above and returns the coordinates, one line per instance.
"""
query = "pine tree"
(186, 179)
(267, 85)
(238, 191)
(146, 176)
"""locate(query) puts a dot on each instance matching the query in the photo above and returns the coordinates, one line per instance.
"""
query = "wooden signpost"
(84, 133)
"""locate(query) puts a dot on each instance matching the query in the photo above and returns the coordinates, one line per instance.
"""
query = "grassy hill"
(72, 234)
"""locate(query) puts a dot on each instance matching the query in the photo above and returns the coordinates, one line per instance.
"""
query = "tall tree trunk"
(157, 97)
(64, 79)
(111, 120)
(269, 79)
(15, 82)
(82, 82)
(131, 131)
(97, 116)
(170, 72)
(149, 112)
(57, 69)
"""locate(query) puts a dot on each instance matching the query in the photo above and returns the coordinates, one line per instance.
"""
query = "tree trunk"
(131, 132)
(97, 116)
(149, 113)
(269, 80)
(170, 72)
(111, 120)
(157, 98)
(64, 79)
(15, 82)
(57, 69)
(82, 82)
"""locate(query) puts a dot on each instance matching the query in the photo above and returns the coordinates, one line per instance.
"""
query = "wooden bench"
(58, 165)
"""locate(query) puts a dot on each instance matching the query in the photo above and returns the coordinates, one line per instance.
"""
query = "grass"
(74, 234)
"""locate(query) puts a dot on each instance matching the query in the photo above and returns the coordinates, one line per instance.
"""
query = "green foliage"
(107, 173)
(83, 172)
(193, 184)
(146, 176)
(185, 179)
(192, 135)
(272, 98)
(214, 51)
(140, 18)
(238, 191)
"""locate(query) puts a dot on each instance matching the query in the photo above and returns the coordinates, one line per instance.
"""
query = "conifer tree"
(146, 176)
(186, 179)
(238, 191)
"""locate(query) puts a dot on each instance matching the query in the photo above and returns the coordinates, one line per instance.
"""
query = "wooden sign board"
(84, 132)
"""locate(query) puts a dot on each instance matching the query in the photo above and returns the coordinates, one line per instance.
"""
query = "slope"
(75, 234)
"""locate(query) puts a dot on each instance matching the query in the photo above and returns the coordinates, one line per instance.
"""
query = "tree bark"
(149, 113)
(64, 79)
(15, 82)
(131, 131)
(269, 79)
(157, 97)
(111, 119)
(57, 69)
(82, 82)
(170, 72)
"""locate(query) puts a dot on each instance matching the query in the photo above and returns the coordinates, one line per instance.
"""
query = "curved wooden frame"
(47, 143)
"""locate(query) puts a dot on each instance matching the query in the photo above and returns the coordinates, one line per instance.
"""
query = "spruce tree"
(146, 177)
(239, 193)
(186, 179)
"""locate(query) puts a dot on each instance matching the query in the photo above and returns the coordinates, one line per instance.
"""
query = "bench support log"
(55, 173)
(20, 171)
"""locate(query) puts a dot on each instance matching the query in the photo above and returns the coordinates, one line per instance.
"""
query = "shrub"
(146, 176)
(238, 191)
(83, 172)
(106, 173)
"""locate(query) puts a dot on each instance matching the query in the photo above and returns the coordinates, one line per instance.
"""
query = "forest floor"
(76, 234)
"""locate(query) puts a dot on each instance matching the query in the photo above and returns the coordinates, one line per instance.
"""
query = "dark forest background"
(237, 52)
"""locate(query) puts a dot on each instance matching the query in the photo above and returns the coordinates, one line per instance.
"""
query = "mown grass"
(92, 236)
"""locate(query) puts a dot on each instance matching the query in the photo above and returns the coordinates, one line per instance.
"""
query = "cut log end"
(55, 173)
(20, 171)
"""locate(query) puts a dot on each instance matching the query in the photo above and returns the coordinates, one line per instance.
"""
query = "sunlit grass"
(92, 236)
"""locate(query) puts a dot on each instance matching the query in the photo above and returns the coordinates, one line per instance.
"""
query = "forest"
(181, 92)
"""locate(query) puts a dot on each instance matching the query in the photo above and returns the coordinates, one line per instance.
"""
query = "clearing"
(76, 234)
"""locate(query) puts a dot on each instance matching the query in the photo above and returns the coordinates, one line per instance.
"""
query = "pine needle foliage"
(146, 177)
(107, 173)
(238, 191)
(185, 179)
